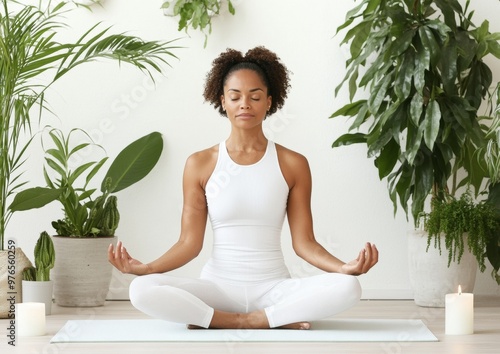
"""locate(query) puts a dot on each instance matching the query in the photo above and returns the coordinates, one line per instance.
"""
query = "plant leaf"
(387, 159)
(432, 119)
(349, 110)
(348, 139)
(33, 198)
(134, 162)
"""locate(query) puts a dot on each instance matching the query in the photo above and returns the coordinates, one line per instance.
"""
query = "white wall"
(350, 204)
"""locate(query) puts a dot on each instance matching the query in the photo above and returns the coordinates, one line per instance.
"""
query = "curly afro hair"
(265, 63)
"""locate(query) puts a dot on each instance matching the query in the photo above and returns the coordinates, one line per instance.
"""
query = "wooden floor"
(486, 338)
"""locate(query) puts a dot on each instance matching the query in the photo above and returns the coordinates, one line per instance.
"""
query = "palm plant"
(32, 60)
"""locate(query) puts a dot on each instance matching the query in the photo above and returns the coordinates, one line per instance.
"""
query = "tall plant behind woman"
(32, 60)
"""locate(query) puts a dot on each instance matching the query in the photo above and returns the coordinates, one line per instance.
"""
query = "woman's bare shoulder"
(202, 163)
(294, 166)
(290, 157)
(202, 157)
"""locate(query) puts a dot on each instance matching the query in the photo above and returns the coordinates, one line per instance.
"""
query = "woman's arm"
(193, 223)
(298, 176)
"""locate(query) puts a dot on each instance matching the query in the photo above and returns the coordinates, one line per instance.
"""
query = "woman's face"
(245, 98)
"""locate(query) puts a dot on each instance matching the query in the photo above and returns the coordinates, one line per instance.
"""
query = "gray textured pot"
(81, 273)
(431, 278)
(11, 265)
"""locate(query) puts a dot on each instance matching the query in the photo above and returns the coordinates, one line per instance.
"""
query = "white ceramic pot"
(39, 291)
(430, 277)
(12, 263)
(81, 273)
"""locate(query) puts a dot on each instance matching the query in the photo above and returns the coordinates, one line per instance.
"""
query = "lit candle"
(459, 312)
(30, 319)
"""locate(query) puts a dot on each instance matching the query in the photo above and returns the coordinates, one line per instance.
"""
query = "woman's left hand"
(366, 259)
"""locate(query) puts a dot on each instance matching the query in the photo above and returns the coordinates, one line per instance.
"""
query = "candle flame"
(459, 290)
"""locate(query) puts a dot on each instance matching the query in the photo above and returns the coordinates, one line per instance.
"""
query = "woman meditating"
(245, 185)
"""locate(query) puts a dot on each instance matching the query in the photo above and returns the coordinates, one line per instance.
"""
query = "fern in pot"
(82, 272)
(37, 286)
(469, 227)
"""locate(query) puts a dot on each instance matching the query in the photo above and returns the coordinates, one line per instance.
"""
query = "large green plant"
(32, 60)
(84, 214)
(420, 66)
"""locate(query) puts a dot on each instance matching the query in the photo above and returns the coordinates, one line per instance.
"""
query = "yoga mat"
(150, 330)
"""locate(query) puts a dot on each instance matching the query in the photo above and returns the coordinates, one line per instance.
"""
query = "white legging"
(285, 301)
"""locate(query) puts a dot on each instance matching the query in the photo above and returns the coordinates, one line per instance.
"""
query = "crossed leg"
(290, 303)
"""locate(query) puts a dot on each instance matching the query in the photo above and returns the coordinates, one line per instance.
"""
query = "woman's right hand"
(119, 257)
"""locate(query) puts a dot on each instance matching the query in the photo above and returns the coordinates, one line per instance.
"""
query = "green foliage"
(44, 260)
(85, 216)
(29, 274)
(464, 223)
(491, 152)
(420, 66)
(196, 14)
(493, 247)
(44, 257)
(32, 60)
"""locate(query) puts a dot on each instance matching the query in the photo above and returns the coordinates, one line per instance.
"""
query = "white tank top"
(246, 207)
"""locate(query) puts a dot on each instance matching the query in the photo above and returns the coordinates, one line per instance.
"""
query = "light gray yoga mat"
(340, 330)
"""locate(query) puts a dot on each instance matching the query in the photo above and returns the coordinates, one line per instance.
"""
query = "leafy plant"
(32, 60)
(491, 154)
(196, 14)
(84, 215)
(464, 223)
(44, 260)
(420, 65)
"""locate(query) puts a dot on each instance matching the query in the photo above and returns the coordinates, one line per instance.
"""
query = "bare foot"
(297, 325)
(258, 320)
(194, 327)
(252, 320)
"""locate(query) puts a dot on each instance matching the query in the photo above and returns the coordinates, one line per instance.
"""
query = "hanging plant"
(196, 14)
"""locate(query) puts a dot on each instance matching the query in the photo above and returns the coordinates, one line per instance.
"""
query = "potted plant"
(420, 64)
(37, 286)
(82, 272)
(459, 216)
(32, 60)
(196, 14)
(464, 230)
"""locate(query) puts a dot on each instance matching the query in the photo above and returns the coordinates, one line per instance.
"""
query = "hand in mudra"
(366, 259)
(120, 258)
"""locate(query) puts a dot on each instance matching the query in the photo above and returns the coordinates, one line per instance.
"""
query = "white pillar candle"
(459, 313)
(30, 319)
